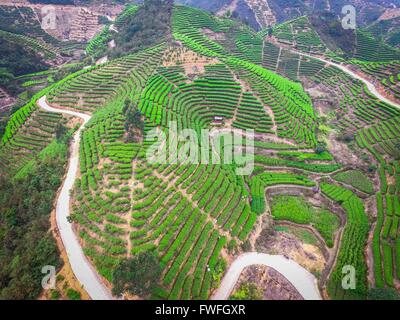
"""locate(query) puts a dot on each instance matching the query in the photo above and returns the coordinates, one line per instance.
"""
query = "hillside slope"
(318, 133)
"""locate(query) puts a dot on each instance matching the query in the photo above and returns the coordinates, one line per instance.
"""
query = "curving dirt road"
(300, 278)
(352, 74)
(82, 268)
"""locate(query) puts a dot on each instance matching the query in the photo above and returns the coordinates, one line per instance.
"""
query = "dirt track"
(83, 270)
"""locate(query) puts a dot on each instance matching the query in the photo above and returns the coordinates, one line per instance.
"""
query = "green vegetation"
(138, 275)
(357, 179)
(23, 21)
(381, 139)
(353, 243)
(251, 115)
(301, 164)
(18, 118)
(387, 30)
(387, 73)
(25, 241)
(332, 33)
(183, 67)
(368, 49)
(19, 56)
(324, 31)
(97, 47)
(301, 34)
(73, 294)
(26, 47)
(267, 179)
(383, 294)
(55, 295)
(297, 210)
(247, 291)
(147, 26)
(305, 236)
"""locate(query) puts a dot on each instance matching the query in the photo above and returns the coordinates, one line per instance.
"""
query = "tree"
(25, 205)
(248, 291)
(137, 275)
(149, 26)
(397, 152)
(320, 148)
(73, 294)
(246, 246)
(134, 125)
(61, 131)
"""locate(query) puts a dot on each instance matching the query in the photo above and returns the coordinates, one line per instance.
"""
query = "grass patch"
(357, 179)
(297, 210)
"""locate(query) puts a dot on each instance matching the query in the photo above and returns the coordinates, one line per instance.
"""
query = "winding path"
(304, 282)
(82, 268)
(371, 87)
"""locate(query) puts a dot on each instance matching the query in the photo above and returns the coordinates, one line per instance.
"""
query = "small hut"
(218, 120)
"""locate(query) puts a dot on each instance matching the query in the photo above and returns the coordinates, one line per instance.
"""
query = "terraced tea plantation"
(300, 34)
(324, 153)
(387, 73)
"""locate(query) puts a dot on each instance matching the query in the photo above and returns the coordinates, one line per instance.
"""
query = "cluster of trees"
(15, 60)
(244, 13)
(383, 294)
(149, 26)
(138, 275)
(26, 200)
(134, 125)
(331, 31)
(5, 117)
(247, 291)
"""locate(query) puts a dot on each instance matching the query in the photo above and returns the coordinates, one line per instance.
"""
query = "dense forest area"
(17, 59)
(330, 30)
(149, 26)
(26, 200)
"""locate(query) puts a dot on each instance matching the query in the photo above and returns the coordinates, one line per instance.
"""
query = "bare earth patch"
(390, 14)
(213, 35)
(264, 15)
(343, 154)
(190, 61)
(271, 283)
(307, 255)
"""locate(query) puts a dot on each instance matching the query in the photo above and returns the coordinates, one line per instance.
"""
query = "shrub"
(73, 294)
